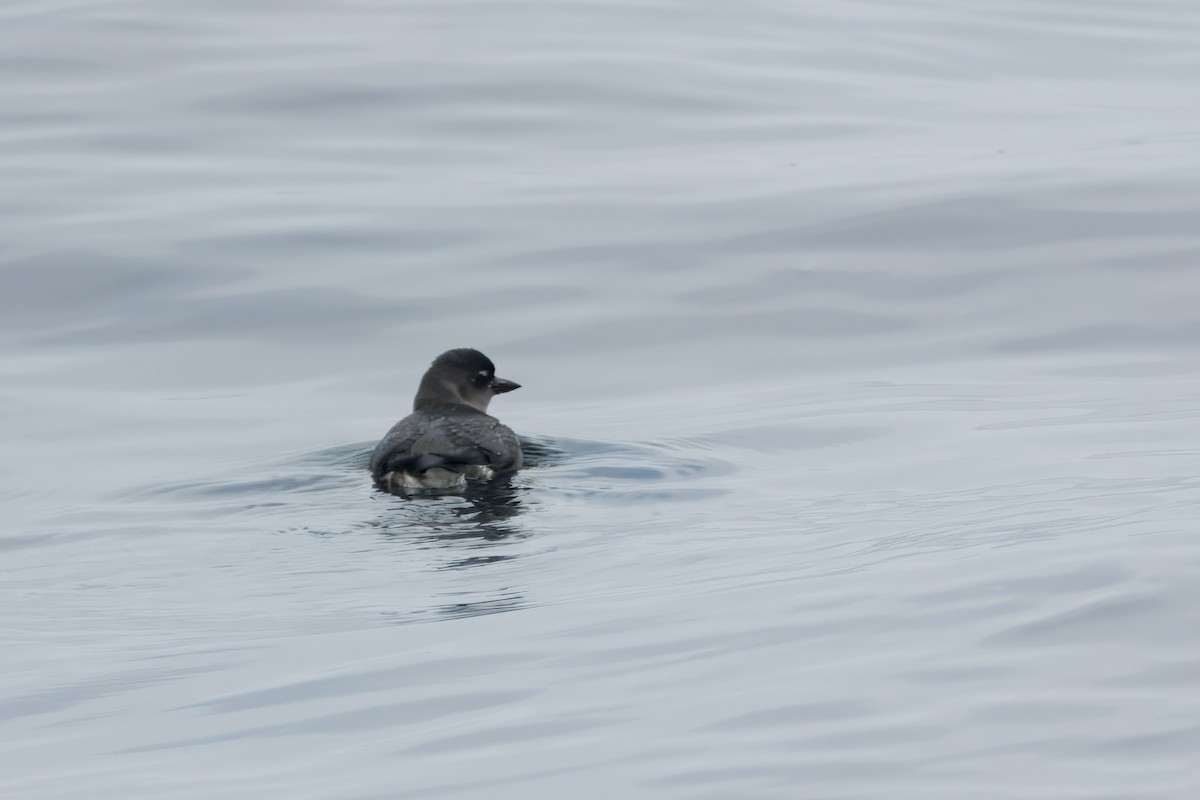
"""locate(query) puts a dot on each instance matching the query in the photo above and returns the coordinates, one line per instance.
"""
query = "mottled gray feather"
(446, 435)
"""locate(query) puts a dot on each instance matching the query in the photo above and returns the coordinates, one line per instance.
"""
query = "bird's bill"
(500, 386)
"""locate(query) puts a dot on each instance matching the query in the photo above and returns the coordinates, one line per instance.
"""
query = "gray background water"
(859, 344)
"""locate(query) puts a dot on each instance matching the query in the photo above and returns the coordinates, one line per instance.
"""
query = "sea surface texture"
(860, 353)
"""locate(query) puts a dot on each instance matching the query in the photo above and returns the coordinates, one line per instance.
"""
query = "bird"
(449, 437)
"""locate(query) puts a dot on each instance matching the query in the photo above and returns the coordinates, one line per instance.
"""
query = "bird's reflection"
(483, 515)
(475, 527)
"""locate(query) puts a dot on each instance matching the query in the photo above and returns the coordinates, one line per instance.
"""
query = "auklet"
(449, 437)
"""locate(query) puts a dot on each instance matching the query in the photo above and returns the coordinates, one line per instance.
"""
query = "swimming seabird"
(449, 437)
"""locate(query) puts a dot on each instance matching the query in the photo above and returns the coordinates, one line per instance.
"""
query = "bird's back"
(442, 443)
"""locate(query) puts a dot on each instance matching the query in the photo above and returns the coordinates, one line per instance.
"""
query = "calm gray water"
(861, 364)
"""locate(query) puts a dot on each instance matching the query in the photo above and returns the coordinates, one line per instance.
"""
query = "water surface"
(859, 350)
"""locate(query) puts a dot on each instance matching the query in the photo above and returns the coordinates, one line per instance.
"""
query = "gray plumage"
(449, 437)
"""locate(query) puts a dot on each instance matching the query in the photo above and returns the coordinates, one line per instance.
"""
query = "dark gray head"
(463, 376)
